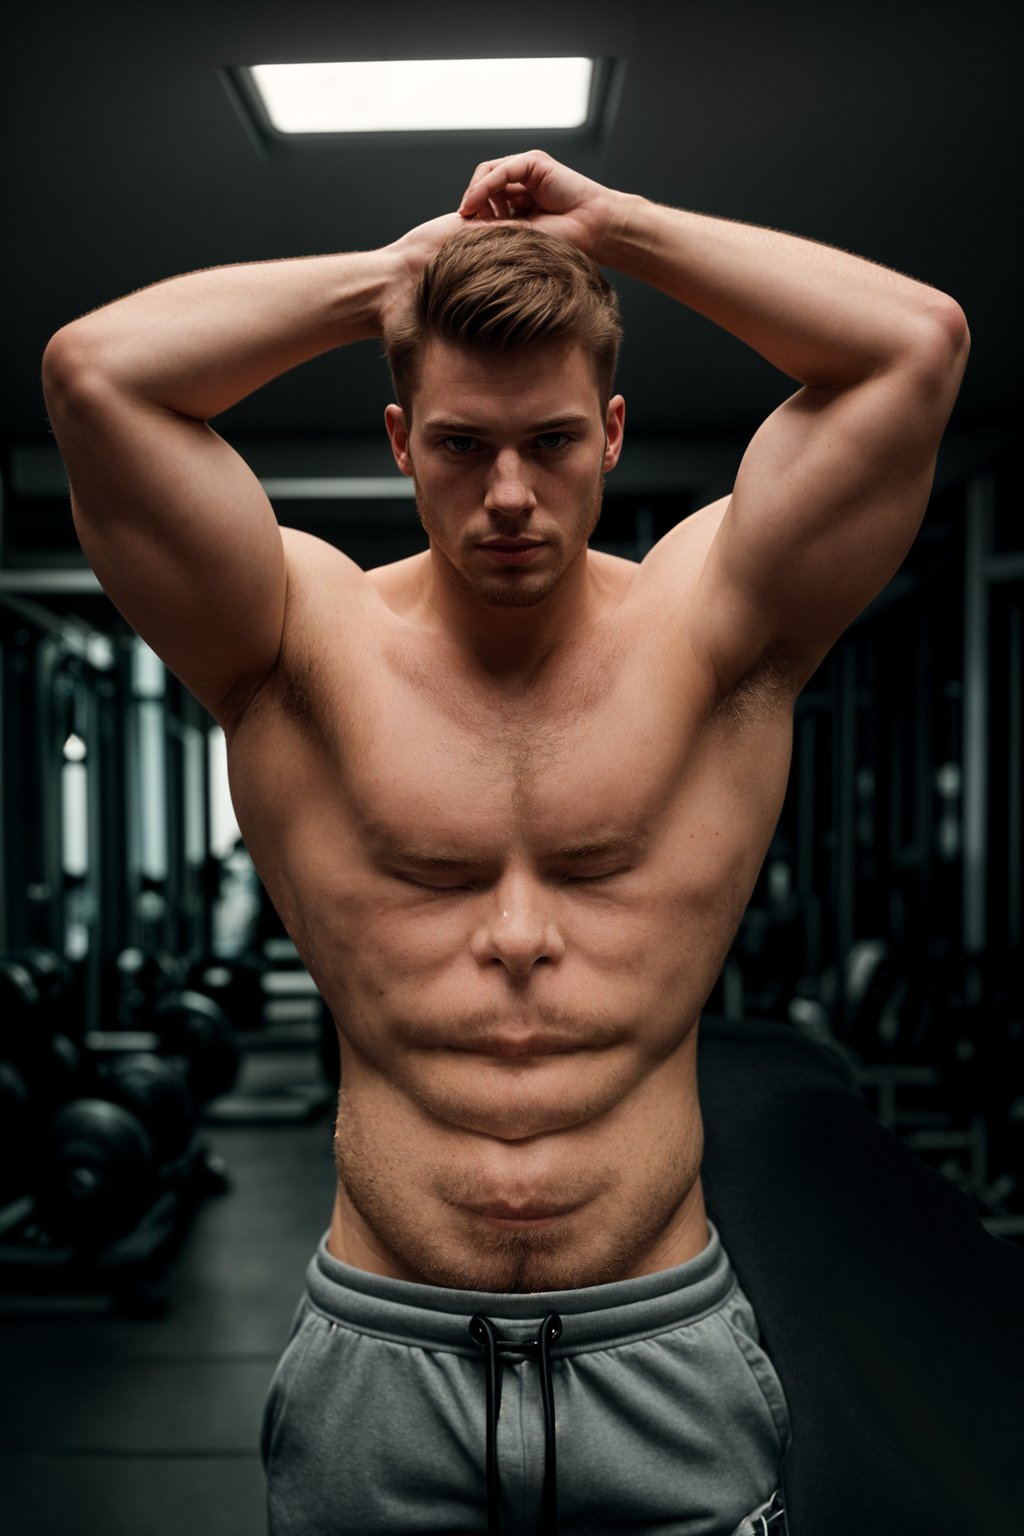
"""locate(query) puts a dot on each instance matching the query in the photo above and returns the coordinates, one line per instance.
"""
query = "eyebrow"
(390, 845)
(467, 429)
(439, 861)
(598, 850)
(391, 848)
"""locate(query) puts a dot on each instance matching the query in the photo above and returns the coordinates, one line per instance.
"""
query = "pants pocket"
(768, 1519)
(284, 1379)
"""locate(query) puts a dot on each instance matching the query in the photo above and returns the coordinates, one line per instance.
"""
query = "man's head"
(503, 363)
(499, 287)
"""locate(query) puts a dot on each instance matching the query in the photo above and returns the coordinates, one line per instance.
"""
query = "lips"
(525, 1045)
(520, 1213)
(512, 552)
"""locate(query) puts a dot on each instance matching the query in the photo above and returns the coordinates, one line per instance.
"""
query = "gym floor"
(111, 1426)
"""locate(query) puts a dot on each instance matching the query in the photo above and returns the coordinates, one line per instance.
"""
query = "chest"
(593, 734)
(405, 730)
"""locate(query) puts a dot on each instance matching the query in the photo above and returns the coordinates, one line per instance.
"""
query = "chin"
(512, 589)
(515, 594)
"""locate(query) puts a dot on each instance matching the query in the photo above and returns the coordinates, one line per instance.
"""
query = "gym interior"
(167, 1069)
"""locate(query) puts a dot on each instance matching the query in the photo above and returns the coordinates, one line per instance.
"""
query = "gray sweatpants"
(669, 1416)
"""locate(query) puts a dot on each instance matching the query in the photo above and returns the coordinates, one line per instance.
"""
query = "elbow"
(951, 323)
(936, 349)
(63, 362)
(72, 374)
(53, 364)
(945, 338)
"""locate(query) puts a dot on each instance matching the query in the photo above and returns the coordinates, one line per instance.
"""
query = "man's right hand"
(527, 188)
(535, 189)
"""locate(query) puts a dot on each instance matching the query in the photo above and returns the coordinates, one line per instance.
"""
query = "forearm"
(821, 316)
(198, 344)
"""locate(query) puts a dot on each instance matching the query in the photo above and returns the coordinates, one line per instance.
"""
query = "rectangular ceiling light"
(424, 95)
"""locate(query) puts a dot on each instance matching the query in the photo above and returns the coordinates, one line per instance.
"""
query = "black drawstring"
(485, 1337)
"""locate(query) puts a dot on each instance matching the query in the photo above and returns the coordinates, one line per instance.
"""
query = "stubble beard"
(512, 587)
(430, 1248)
(512, 1263)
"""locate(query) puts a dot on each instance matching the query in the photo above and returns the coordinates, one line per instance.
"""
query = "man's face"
(508, 454)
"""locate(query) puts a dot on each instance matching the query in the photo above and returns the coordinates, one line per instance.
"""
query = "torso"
(372, 724)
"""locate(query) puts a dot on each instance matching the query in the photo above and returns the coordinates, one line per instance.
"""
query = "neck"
(511, 644)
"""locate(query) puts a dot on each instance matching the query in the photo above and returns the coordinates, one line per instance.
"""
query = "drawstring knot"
(485, 1337)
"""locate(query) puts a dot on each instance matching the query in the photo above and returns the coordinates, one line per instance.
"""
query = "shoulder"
(668, 578)
(327, 599)
(400, 584)
(314, 565)
(671, 588)
(680, 555)
(329, 596)
(612, 576)
(328, 589)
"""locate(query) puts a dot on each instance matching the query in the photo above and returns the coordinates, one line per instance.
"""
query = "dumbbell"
(103, 1153)
(54, 978)
(235, 983)
(142, 975)
(157, 1092)
(106, 1156)
(194, 1029)
(36, 1014)
(191, 1025)
(106, 1153)
(96, 1176)
(17, 1133)
(186, 1029)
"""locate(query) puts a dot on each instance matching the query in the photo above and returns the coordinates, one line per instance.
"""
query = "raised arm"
(833, 486)
(173, 522)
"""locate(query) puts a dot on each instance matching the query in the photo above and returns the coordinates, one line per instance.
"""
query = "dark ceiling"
(893, 130)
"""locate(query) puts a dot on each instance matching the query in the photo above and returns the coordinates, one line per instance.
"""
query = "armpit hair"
(309, 688)
(760, 693)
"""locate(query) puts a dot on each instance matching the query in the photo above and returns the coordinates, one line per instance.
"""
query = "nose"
(508, 487)
(518, 928)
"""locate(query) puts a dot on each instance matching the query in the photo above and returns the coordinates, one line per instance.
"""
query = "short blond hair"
(499, 287)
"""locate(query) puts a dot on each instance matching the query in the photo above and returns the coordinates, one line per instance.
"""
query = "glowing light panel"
(424, 95)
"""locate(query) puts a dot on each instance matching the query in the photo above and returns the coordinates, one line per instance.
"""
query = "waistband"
(594, 1317)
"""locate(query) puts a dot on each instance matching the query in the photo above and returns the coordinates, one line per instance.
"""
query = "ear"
(394, 420)
(614, 427)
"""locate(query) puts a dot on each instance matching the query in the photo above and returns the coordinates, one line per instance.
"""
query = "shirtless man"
(510, 798)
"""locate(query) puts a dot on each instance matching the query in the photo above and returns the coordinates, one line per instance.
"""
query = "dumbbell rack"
(958, 1148)
(289, 1020)
(37, 1273)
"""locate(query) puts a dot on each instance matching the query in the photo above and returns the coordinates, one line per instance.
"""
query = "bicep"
(827, 501)
(182, 538)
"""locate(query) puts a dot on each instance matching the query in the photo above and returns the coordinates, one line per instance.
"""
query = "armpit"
(762, 693)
